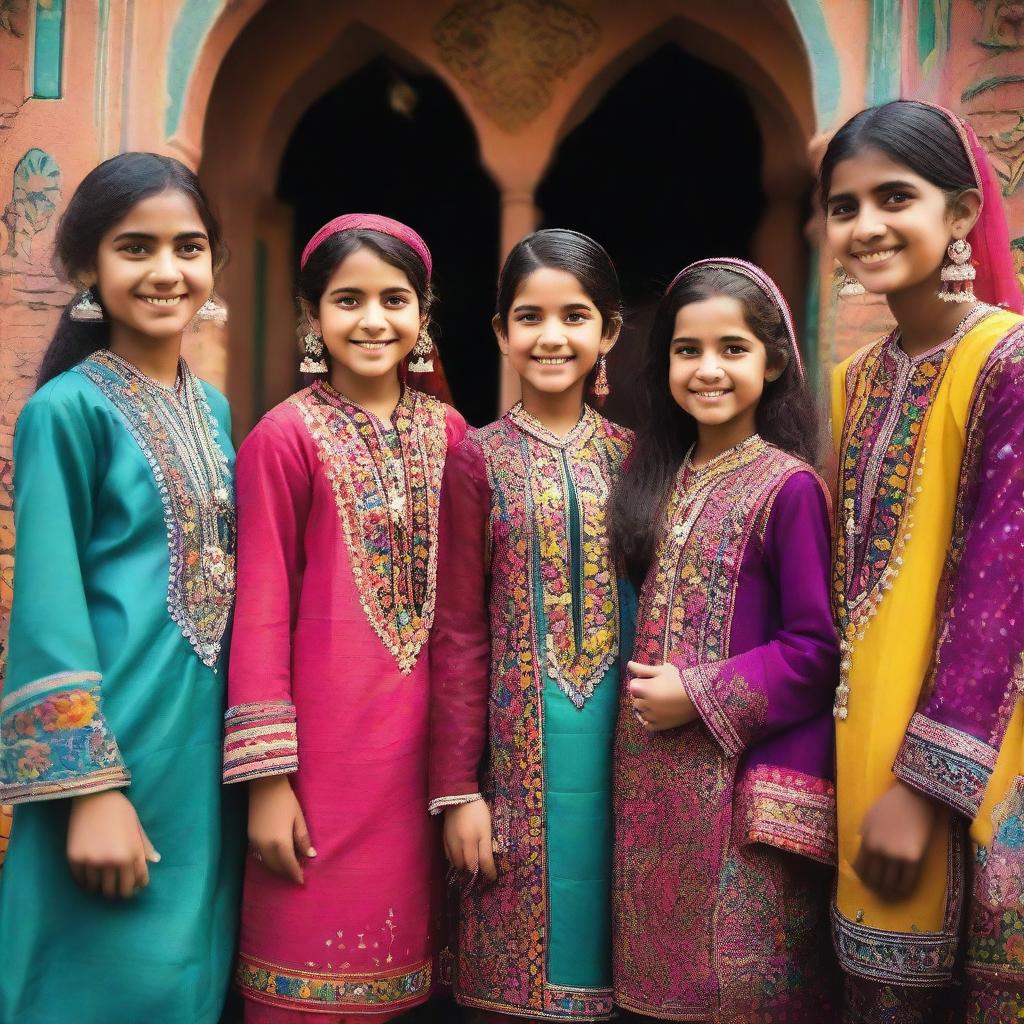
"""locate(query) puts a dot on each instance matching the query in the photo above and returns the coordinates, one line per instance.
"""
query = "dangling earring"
(958, 274)
(313, 361)
(422, 351)
(86, 310)
(212, 311)
(848, 284)
(601, 388)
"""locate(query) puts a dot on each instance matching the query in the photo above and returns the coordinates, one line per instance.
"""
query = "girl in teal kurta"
(524, 654)
(124, 579)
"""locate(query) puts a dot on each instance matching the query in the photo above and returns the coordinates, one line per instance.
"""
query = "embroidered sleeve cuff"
(56, 742)
(440, 803)
(732, 712)
(789, 810)
(259, 740)
(946, 764)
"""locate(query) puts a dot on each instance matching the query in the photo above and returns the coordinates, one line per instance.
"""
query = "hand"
(660, 700)
(108, 849)
(277, 829)
(895, 835)
(467, 839)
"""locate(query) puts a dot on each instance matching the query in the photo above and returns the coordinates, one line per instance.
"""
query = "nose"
(709, 368)
(551, 333)
(869, 224)
(373, 321)
(165, 269)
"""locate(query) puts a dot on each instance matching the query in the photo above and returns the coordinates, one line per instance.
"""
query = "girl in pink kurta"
(338, 491)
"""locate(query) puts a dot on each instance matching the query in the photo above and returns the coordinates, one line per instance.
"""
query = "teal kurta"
(124, 579)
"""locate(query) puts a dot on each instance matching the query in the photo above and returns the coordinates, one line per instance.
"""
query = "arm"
(953, 740)
(274, 489)
(787, 680)
(460, 641)
(56, 739)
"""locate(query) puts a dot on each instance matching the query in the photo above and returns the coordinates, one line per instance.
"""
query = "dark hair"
(571, 251)
(335, 249)
(106, 195)
(787, 416)
(909, 133)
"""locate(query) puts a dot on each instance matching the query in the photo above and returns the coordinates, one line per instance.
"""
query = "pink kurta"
(329, 681)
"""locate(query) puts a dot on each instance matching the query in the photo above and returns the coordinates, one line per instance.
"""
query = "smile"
(172, 300)
(711, 394)
(552, 360)
(373, 346)
(878, 256)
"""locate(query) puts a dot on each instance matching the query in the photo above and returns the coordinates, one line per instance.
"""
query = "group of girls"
(656, 692)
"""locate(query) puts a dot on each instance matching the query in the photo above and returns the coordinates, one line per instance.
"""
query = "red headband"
(370, 222)
(752, 273)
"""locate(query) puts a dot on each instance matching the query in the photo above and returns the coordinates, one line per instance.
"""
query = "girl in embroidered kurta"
(928, 574)
(111, 715)
(524, 656)
(724, 805)
(338, 493)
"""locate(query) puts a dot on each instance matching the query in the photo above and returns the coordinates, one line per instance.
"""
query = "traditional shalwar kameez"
(124, 579)
(929, 572)
(338, 518)
(525, 676)
(720, 906)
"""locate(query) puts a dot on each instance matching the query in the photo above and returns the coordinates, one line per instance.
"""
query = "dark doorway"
(665, 171)
(391, 142)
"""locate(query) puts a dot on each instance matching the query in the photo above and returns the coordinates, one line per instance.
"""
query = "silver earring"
(849, 285)
(212, 311)
(85, 309)
(313, 361)
(958, 274)
(422, 351)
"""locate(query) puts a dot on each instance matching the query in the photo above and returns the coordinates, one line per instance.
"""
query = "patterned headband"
(763, 281)
(370, 222)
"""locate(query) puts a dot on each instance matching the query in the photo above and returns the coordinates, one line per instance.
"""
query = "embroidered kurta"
(525, 675)
(338, 519)
(928, 581)
(124, 579)
(719, 916)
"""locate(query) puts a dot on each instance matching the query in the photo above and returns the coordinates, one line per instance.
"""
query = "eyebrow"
(184, 236)
(728, 338)
(885, 186)
(345, 290)
(569, 306)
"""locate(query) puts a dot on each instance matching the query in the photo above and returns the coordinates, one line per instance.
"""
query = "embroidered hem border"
(918, 959)
(945, 763)
(701, 682)
(56, 742)
(437, 805)
(560, 1003)
(646, 1010)
(260, 740)
(331, 992)
(790, 811)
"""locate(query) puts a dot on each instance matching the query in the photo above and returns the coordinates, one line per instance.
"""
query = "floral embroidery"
(889, 399)
(995, 938)
(55, 741)
(788, 810)
(948, 764)
(669, 867)
(259, 740)
(501, 964)
(177, 433)
(386, 480)
(321, 991)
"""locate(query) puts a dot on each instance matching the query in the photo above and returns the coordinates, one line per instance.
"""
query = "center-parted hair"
(787, 415)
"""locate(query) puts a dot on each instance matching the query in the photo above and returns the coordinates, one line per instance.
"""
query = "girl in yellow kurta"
(928, 573)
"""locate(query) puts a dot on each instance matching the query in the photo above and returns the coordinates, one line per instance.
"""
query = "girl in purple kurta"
(723, 762)
(338, 492)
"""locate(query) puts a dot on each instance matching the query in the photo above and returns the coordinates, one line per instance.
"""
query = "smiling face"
(554, 333)
(889, 227)
(154, 268)
(368, 316)
(718, 366)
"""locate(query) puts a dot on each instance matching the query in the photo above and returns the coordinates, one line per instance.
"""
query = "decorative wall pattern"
(510, 53)
(34, 199)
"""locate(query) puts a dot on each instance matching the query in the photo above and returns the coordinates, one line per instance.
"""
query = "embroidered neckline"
(178, 436)
(970, 320)
(386, 481)
(722, 462)
(584, 426)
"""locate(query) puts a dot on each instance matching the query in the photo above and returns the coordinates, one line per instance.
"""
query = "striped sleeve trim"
(260, 740)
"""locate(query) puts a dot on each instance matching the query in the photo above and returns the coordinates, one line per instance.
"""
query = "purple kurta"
(715, 918)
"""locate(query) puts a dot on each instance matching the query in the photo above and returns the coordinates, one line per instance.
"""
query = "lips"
(719, 393)
(373, 346)
(552, 360)
(876, 256)
(165, 302)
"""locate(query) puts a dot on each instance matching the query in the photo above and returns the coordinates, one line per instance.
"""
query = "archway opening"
(370, 145)
(665, 170)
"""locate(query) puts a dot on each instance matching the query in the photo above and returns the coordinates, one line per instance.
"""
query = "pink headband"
(996, 282)
(763, 281)
(370, 222)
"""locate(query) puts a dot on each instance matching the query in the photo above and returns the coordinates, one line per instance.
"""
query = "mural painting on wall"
(509, 54)
(33, 201)
(8, 9)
